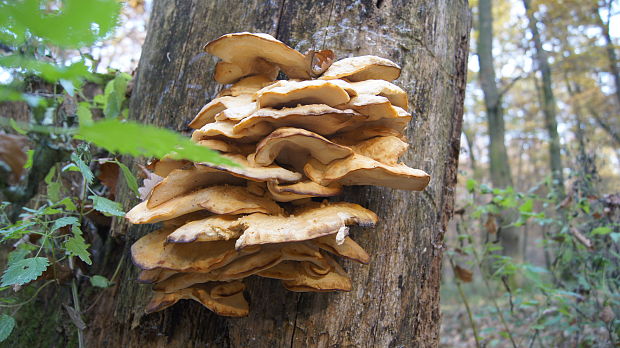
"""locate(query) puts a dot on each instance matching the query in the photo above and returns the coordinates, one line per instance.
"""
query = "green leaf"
(28, 163)
(68, 86)
(84, 169)
(74, 24)
(65, 221)
(601, 230)
(471, 185)
(68, 203)
(83, 113)
(16, 127)
(130, 179)
(527, 207)
(20, 252)
(76, 246)
(53, 191)
(100, 281)
(50, 72)
(106, 206)
(7, 323)
(50, 175)
(615, 237)
(136, 139)
(24, 271)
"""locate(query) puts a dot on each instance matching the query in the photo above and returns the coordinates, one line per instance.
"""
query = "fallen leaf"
(108, 174)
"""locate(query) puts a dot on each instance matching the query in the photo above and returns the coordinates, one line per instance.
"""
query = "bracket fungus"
(297, 141)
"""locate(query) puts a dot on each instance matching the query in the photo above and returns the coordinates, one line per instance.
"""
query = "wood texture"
(395, 299)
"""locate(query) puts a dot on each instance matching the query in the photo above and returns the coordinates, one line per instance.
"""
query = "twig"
(469, 314)
(30, 299)
(76, 305)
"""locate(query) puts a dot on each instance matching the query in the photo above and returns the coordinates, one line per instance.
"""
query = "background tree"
(395, 301)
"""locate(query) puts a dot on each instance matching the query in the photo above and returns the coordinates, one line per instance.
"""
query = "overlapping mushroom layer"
(296, 141)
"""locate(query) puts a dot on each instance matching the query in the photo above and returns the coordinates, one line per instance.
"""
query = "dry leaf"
(491, 224)
(607, 315)
(12, 152)
(108, 174)
(463, 274)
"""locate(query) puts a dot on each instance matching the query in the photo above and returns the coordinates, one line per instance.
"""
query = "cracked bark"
(395, 299)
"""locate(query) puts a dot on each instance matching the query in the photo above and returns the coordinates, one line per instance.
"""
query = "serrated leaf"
(136, 139)
(7, 324)
(106, 206)
(100, 281)
(24, 271)
(76, 246)
(130, 179)
(84, 169)
(65, 221)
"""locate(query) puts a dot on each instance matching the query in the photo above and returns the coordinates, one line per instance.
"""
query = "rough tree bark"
(395, 299)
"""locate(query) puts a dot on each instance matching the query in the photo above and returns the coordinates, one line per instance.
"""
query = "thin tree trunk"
(611, 52)
(548, 105)
(499, 166)
(395, 299)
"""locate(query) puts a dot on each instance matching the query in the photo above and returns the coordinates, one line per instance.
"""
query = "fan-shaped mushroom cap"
(362, 68)
(247, 85)
(218, 227)
(312, 278)
(216, 199)
(386, 150)
(286, 93)
(224, 299)
(362, 170)
(292, 145)
(396, 95)
(300, 190)
(151, 252)
(244, 102)
(163, 167)
(228, 72)
(373, 106)
(228, 147)
(318, 118)
(308, 222)
(183, 181)
(246, 54)
(349, 248)
(361, 134)
(154, 275)
(249, 170)
(398, 123)
(224, 130)
(269, 256)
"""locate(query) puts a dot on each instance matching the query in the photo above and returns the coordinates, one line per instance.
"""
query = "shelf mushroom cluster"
(297, 141)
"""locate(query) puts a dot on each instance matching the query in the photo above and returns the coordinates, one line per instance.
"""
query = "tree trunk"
(611, 51)
(548, 106)
(395, 299)
(499, 166)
